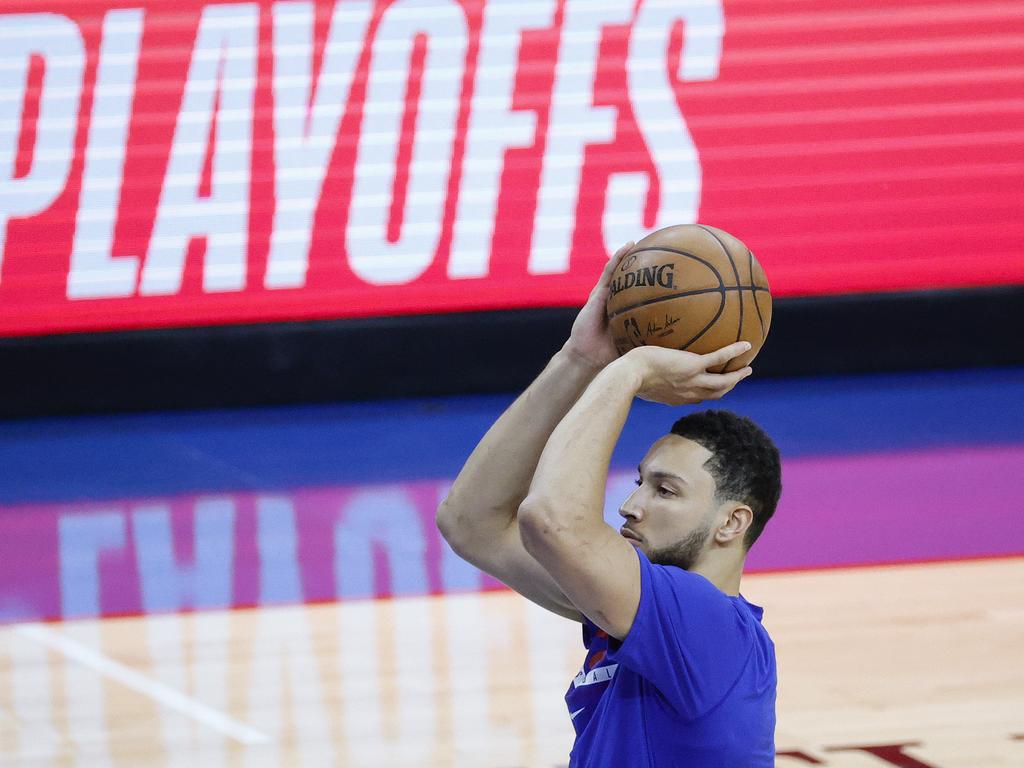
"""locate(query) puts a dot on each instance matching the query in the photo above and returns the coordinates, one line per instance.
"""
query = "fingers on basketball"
(731, 379)
(613, 262)
(606, 276)
(722, 356)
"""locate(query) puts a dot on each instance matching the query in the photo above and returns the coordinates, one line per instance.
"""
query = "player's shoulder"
(674, 587)
(671, 578)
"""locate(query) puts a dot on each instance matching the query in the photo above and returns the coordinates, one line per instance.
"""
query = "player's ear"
(735, 526)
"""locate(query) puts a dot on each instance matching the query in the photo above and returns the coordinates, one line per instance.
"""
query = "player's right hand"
(674, 377)
(590, 338)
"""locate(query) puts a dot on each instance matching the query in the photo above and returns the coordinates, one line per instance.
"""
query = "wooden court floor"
(910, 665)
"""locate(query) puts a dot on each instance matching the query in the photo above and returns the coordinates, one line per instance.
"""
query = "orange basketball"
(690, 287)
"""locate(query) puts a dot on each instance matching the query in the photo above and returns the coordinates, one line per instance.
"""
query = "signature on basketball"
(662, 328)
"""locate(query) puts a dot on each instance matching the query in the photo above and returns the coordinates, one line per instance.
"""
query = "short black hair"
(744, 462)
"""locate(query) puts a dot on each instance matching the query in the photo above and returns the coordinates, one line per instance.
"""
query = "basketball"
(690, 287)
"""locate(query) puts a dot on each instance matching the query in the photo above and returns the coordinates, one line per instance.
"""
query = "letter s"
(663, 127)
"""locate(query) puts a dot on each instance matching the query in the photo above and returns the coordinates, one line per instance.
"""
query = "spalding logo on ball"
(690, 287)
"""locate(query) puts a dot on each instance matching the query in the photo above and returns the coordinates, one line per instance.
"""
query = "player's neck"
(723, 568)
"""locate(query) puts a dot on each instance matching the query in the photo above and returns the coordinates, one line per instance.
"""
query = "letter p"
(57, 40)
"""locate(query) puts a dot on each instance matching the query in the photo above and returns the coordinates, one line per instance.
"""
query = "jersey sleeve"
(688, 638)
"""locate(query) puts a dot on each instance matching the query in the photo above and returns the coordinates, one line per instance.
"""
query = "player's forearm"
(497, 475)
(569, 483)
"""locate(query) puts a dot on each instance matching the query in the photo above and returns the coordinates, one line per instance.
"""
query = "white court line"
(129, 678)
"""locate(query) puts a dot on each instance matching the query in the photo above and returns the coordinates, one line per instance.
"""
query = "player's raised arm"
(561, 519)
(478, 518)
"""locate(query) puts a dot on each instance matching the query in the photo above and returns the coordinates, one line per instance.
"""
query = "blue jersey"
(692, 685)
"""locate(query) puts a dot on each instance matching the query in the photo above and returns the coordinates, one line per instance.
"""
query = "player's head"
(713, 481)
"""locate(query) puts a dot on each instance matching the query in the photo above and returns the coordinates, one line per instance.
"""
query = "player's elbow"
(447, 521)
(462, 529)
(538, 527)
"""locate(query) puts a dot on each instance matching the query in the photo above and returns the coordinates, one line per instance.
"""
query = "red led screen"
(177, 164)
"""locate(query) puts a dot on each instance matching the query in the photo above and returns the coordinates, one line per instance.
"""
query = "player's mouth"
(628, 534)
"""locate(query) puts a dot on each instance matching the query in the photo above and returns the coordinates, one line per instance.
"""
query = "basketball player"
(679, 670)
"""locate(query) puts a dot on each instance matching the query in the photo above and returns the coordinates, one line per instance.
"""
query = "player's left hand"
(674, 377)
(590, 339)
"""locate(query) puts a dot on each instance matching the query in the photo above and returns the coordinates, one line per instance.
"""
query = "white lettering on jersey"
(372, 255)
(223, 68)
(493, 128)
(57, 40)
(94, 271)
(574, 122)
(596, 675)
(306, 119)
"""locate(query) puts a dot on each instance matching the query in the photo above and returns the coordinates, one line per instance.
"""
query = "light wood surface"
(927, 654)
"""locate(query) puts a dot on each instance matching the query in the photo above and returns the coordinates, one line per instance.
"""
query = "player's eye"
(663, 491)
(638, 481)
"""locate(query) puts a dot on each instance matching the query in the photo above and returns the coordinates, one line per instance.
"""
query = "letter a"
(223, 70)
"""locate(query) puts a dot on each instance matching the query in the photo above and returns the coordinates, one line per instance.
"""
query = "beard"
(684, 553)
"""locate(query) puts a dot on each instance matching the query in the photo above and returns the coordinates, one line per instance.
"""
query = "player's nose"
(631, 507)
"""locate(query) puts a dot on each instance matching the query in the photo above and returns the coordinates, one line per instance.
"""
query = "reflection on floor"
(267, 587)
(340, 542)
(909, 666)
